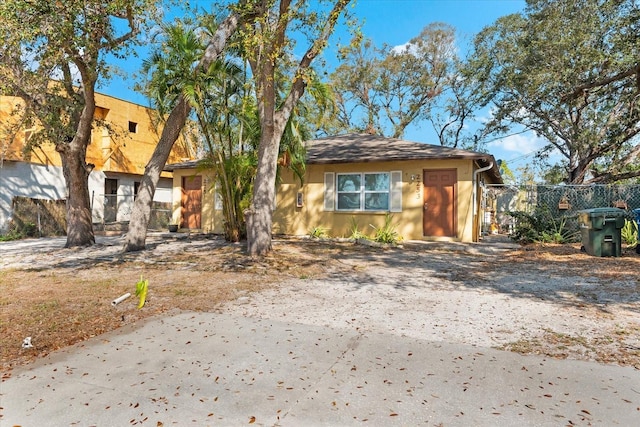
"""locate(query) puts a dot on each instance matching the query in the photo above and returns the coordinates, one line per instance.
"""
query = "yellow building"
(122, 142)
(433, 192)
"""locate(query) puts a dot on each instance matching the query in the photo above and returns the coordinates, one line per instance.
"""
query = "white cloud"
(520, 144)
(405, 48)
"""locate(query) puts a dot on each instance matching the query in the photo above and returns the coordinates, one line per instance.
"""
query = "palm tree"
(221, 109)
(225, 109)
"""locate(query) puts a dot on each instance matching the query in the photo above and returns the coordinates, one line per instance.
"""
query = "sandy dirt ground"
(550, 300)
(542, 299)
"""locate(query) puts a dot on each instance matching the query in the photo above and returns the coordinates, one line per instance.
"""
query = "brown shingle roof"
(190, 164)
(353, 148)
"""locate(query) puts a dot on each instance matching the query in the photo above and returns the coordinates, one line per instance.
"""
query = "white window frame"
(363, 192)
(331, 193)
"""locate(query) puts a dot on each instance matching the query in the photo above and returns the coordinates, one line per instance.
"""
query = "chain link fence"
(561, 202)
(118, 208)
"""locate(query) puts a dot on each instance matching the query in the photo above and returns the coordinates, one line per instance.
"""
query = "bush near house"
(541, 226)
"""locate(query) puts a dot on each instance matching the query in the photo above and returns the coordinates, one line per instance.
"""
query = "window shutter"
(329, 191)
(217, 198)
(395, 196)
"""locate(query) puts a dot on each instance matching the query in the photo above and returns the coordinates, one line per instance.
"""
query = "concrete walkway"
(218, 369)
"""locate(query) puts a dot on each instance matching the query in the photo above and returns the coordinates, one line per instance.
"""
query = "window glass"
(376, 201)
(349, 190)
(349, 182)
(376, 182)
(353, 195)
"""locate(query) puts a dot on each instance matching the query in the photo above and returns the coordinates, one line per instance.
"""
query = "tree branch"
(579, 90)
(299, 84)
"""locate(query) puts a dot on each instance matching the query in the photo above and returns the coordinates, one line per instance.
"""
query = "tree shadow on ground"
(558, 274)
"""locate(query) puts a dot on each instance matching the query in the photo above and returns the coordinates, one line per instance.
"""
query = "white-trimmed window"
(366, 192)
(362, 191)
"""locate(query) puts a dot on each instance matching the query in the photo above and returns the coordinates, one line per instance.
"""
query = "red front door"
(439, 208)
(191, 201)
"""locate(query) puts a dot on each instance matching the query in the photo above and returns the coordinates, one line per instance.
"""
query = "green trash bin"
(601, 231)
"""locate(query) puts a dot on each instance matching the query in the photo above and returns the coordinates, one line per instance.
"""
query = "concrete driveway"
(217, 369)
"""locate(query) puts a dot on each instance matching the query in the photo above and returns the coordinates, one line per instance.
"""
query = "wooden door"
(439, 202)
(191, 201)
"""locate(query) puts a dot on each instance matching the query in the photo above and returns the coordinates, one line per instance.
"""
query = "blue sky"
(395, 22)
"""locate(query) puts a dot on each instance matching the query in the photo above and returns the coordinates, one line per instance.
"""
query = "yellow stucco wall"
(212, 218)
(115, 150)
(292, 220)
(289, 219)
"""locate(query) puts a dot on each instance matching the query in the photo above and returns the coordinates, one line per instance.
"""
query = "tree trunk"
(259, 216)
(273, 120)
(73, 156)
(79, 218)
(137, 234)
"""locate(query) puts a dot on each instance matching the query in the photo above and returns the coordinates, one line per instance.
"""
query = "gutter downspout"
(475, 197)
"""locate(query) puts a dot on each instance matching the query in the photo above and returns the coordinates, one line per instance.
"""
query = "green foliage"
(387, 233)
(19, 230)
(354, 230)
(11, 234)
(54, 56)
(507, 174)
(225, 113)
(542, 227)
(223, 101)
(319, 232)
(629, 233)
(384, 90)
(567, 70)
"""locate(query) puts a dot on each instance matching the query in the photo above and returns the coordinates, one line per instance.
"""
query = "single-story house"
(433, 192)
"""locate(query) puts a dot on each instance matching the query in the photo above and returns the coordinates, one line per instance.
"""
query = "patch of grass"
(47, 305)
(181, 292)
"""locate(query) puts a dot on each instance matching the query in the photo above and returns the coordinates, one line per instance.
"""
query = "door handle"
(426, 205)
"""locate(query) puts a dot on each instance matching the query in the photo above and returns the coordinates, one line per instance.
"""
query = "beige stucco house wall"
(211, 215)
(301, 206)
(290, 219)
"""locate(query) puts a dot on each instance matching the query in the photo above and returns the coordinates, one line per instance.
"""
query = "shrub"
(319, 232)
(354, 230)
(387, 233)
(19, 230)
(541, 226)
(629, 233)
(12, 234)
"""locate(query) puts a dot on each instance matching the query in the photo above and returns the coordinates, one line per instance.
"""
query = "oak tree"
(569, 70)
(268, 44)
(52, 56)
